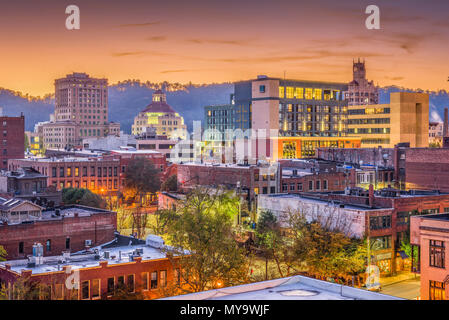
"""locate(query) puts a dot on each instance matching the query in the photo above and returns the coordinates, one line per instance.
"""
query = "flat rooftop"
(95, 157)
(311, 199)
(291, 288)
(119, 251)
(437, 216)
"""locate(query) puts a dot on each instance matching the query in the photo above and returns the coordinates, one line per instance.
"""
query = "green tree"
(204, 226)
(142, 177)
(326, 251)
(83, 197)
(25, 289)
(171, 184)
(269, 240)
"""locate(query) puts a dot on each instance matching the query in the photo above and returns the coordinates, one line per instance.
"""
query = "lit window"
(281, 92)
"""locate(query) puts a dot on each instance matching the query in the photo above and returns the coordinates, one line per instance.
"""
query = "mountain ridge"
(127, 98)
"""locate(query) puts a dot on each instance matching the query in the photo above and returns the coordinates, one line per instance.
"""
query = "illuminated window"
(317, 93)
(299, 93)
(95, 290)
(281, 92)
(290, 93)
(309, 93)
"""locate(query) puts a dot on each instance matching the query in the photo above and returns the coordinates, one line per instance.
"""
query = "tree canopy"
(204, 227)
(142, 176)
(83, 197)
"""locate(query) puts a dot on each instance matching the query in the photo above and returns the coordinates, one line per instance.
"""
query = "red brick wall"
(99, 228)
(14, 133)
(104, 271)
(427, 169)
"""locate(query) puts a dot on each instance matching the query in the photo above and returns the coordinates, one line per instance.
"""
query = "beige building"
(404, 119)
(160, 116)
(81, 111)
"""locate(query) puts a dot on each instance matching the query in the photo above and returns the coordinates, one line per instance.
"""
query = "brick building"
(136, 265)
(394, 227)
(13, 139)
(423, 168)
(250, 180)
(98, 174)
(65, 228)
(430, 235)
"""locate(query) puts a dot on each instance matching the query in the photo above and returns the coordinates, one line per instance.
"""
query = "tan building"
(160, 116)
(404, 119)
(81, 111)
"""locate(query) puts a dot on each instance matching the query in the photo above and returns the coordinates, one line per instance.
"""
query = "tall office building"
(304, 114)
(307, 115)
(404, 119)
(81, 111)
(360, 90)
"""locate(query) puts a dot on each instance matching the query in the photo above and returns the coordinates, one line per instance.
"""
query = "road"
(408, 289)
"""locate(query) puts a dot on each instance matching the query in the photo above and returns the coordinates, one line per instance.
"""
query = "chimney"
(371, 195)
(445, 125)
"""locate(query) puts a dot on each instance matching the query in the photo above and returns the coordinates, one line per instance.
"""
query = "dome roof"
(159, 103)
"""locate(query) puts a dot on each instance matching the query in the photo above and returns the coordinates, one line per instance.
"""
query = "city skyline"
(205, 42)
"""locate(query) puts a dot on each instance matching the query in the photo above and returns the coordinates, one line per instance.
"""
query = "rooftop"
(123, 249)
(291, 288)
(311, 199)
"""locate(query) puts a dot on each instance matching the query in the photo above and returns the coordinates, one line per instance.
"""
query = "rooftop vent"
(298, 293)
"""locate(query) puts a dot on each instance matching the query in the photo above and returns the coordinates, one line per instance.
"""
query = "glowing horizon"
(215, 42)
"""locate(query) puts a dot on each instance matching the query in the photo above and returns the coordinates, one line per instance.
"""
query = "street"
(408, 289)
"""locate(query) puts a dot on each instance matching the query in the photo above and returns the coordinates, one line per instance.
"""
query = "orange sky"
(216, 41)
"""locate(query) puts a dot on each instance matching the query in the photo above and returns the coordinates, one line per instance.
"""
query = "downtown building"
(160, 116)
(382, 215)
(361, 91)
(81, 111)
(404, 120)
(12, 144)
(124, 264)
(66, 228)
(429, 236)
(283, 119)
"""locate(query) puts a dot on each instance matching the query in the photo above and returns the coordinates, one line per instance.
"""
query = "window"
(48, 245)
(120, 282)
(403, 217)
(67, 243)
(154, 280)
(20, 247)
(95, 289)
(281, 92)
(85, 290)
(111, 286)
(310, 185)
(77, 172)
(381, 243)
(130, 283)
(437, 290)
(380, 222)
(61, 172)
(261, 89)
(436, 253)
(324, 184)
(178, 276)
(292, 187)
(163, 275)
(144, 280)
(284, 187)
(299, 186)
